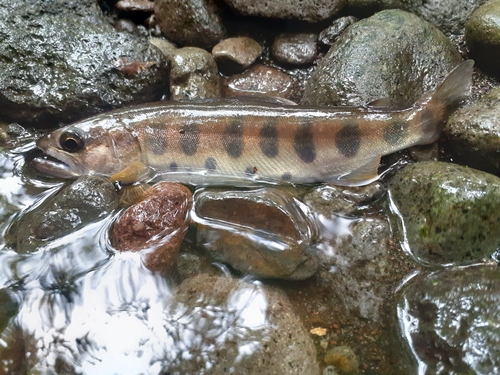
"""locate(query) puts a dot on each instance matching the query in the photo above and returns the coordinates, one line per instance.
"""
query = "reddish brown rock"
(295, 48)
(156, 224)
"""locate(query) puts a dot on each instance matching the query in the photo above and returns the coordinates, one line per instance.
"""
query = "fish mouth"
(54, 167)
(55, 164)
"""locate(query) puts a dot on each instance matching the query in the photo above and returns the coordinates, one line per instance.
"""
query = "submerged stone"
(262, 232)
(156, 225)
(446, 213)
(450, 320)
(231, 326)
(472, 134)
(392, 54)
(86, 200)
(236, 54)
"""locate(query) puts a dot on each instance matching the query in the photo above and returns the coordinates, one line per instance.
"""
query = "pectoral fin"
(364, 175)
(135, 171)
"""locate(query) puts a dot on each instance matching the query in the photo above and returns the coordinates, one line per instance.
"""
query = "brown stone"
(236, 54)
(156, 224)
(262, 80)
(135, 5)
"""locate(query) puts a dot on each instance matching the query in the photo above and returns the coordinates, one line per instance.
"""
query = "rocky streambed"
(397, 277)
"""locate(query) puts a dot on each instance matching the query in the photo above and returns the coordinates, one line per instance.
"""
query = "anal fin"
(363, 175)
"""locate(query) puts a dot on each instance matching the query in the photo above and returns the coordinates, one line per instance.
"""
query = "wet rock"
(228, 325)
(9, 306)
(166, 47)
(482, 35)
(342, 200)
(190, 22)
(329, 35)
(236, 54)
(124, 25)
(472, 134)
(305, 10)
(392, 54)
(356, 260)
(262, 232)
(135, 6)
(156, 224)
(85, 201)
(193, 75)
(448, 15)
(261, 79)
(425, 152)
(450, 320)
(450, 213)
(57, 63)
(295, 48)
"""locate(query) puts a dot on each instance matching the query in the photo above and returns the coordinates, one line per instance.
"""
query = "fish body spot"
(395, 132)
(287, 176)
(156, 142)
(233, 138)
(303, 144)
(211, 163)
(348, 139)
(173, 166)
(428, 120)
(189, 138)
(268, 138)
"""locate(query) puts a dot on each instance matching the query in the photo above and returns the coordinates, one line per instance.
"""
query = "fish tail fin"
(436, 109)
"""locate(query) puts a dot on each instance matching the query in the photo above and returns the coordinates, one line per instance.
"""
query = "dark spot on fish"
(173, 166)
(233, 138)
(286, 176)
(155, 142)
(348, 140)
(211, 163)
(395, 132)
(268, 138)
(303, 144)
(190, 137)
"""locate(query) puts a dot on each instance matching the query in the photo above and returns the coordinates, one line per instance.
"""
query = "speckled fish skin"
(225, 141)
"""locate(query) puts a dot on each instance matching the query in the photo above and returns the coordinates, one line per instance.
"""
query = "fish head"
(95, 147)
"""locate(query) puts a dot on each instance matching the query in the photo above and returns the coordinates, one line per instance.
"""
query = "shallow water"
(79, 306)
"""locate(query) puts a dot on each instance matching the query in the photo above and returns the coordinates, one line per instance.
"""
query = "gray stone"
(393, 54)
(445, 213)
(190, 22)
(305, 10)
(230, 326)
(295, 48)
(193, 74)
(328, 199)
(448, 15)
(264, 232)
(482, 35)
(85, 201)
(236, 54)
(329, 35)
(60, 61)
(450, 320)
(261, 80)
(472, 134)
(356, 265)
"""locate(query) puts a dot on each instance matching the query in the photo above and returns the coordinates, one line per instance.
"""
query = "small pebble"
(260, 79)
(295, 49)
(329, 35)
(125, 25)
(236, 54)
(343, 359)
(135, 6)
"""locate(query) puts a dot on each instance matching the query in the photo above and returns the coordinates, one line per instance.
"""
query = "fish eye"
(71, 141)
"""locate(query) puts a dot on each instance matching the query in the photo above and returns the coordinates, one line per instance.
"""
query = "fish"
(235, 141)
